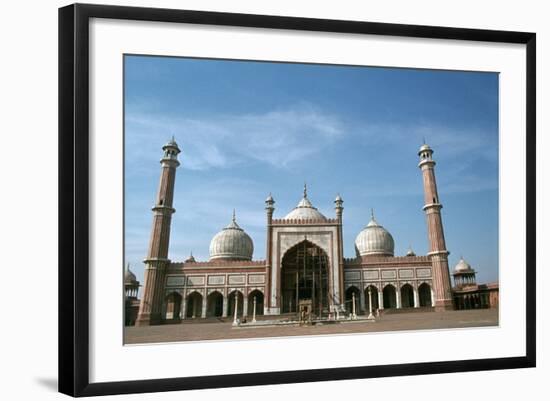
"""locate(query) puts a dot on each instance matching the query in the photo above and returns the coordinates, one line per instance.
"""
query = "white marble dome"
(305, 210)
(374, 240)
(231, 243)
(462, 265)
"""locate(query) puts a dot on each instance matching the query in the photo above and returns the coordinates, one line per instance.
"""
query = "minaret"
(438, 251)
(157, 258)
(269, 208)
(339, 209)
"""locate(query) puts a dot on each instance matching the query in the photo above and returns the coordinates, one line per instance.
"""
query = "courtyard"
(222, 329)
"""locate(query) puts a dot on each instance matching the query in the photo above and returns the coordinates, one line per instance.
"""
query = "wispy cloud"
(279, 137)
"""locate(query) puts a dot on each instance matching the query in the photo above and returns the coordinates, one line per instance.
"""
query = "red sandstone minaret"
(438, 251)
(339, 208)
(269, 208)
(157, 258)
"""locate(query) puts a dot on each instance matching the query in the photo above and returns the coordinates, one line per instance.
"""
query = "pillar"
(245, 306)
(225, 306)
(362, 305)
(397, 297)
(380, 299)
(416, 300)
(183, 313)
(204, 300)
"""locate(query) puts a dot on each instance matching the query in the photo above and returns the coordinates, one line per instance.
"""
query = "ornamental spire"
(305, 190)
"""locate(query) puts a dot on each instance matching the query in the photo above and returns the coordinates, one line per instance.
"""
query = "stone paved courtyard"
(217, 330)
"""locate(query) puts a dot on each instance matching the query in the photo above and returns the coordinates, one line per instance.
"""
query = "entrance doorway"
(304, 275)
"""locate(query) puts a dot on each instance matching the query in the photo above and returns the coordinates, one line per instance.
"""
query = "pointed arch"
(407, 296)
(374, 297)
(214, 304)
(172, 303)
(425, 295)
(390, 298)
(259, 295)
(350, 292)
(304, 275)
(231, 303)
(194, 305)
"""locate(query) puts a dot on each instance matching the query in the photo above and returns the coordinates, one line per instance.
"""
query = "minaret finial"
(305, 190)
(234, 218)
(423, 140)
(372, 213)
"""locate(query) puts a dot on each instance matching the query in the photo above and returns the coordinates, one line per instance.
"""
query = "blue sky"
(250, 128)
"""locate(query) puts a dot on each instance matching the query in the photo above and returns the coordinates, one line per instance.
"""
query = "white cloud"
(279, 138)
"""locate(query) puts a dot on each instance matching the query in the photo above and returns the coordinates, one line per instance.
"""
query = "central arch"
(304, 276)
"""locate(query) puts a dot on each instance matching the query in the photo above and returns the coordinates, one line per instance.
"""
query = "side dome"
(231, 243)
(305, 210)
(129, 276)
(374, 240)
(462, 266)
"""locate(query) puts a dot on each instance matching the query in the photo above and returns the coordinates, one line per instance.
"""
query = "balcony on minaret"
(171, 151)
(425, 154)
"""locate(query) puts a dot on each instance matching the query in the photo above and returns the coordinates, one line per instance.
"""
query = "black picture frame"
(74, 198)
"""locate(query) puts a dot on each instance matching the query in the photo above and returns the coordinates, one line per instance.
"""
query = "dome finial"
(372, 213)
(305, 190)
(234, 218)
(191, 258)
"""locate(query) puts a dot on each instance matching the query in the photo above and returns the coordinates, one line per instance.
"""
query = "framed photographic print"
(302, 199)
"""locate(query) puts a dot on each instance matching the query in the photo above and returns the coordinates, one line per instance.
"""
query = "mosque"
(304, 265)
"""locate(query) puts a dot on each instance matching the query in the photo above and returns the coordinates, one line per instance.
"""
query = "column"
(398, 297)
(415, 293)
(235, 309)
(204, 299)
(380, 299)
(183, 313)
(371, 316)
(433, 297)
(362, 305)
(224, 306)
(254, 311)
(245, 306)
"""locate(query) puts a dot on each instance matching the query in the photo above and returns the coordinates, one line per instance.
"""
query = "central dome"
(374, 240)
(231, 243)
(305, 210)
